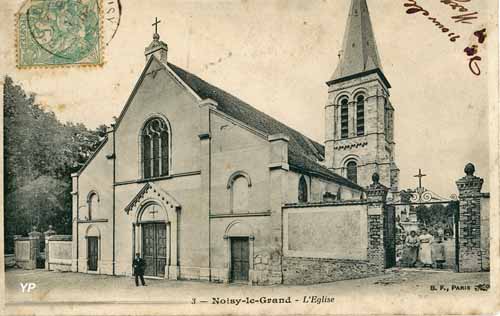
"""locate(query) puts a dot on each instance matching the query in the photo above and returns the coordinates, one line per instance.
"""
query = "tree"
(40, 153)
(430, 216)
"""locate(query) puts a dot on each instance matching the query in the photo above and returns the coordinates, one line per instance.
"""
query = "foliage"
(430, 216)
(40, 153)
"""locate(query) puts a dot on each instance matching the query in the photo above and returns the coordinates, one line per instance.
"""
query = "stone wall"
(337, 230)
(27, 250)
(58, 253)
(320, 270)
(485, 232)
(9, 261)
(304, 269)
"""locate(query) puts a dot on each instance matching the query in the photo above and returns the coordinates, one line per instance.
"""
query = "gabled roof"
(151, 190)
(359, 54)
(303, 152)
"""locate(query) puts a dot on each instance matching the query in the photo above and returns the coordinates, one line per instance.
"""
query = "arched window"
(155, 148)
(360, 115)
(93, 204)
(303, 196)
(344, 118)
(239, 193)
(352, 171)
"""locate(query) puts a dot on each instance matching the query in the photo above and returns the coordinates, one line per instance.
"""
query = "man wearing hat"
(139, 266)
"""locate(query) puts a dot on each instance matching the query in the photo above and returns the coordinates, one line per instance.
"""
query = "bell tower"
(359, 138)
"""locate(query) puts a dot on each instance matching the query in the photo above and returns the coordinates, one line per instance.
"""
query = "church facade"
(195, 179)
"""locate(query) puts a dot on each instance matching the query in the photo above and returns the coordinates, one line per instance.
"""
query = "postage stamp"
(58, 33)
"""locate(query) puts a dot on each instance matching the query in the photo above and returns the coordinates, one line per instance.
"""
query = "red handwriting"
(455, 5)
(481, 35)
(474, 66)
(473, 50)
(462, 18)
(414, 8)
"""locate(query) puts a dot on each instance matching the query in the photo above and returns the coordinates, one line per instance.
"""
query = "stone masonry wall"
(469, 234)
(485, 232)
(376, 251)
(306, 270)
(316, 270)
(267, 268)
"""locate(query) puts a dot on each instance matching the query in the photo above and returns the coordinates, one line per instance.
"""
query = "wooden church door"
(154, 251)
(239, 259)
(92, 253)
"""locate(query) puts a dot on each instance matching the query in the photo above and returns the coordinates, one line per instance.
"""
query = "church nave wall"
(238, 156)
(257, 229)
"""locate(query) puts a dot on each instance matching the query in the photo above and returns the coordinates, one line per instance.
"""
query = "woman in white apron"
(424, 253)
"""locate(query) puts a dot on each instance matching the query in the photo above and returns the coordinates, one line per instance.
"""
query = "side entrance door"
(239, 259)
(154, 249)
(92, 253)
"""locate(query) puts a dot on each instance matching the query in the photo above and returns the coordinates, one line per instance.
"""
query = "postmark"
(112, 19)
(59, 33)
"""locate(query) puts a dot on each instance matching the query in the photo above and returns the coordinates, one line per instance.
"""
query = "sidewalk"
(79, 287)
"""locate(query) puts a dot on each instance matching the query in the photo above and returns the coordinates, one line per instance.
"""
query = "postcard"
(250, 157)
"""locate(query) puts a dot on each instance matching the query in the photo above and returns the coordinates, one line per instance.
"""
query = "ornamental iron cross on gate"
(420, 175)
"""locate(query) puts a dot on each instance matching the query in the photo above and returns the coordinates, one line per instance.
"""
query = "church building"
(195, 179)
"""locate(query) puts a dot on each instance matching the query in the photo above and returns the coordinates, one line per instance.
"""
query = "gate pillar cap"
(376, 190)
(470, 184)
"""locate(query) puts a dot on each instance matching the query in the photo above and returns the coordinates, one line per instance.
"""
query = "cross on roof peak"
(156, 35)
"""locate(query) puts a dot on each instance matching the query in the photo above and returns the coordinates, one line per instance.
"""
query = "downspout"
(114, 194)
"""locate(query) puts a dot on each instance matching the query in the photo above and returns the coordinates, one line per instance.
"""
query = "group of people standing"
(425, 249)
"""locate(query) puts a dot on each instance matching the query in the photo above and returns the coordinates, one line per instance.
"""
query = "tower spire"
(359, 53)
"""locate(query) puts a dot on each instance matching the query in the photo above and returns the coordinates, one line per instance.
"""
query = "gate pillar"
(376, 196)
(469, 234)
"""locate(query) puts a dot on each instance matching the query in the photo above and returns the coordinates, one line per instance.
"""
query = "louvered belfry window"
(155, 148)
(344, 118)
(360, 115)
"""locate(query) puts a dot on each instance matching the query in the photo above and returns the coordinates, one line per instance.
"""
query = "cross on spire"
(420, 175)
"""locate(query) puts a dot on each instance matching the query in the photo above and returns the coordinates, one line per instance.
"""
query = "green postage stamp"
(59, 33)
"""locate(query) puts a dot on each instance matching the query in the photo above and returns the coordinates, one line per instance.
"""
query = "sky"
(277, 56)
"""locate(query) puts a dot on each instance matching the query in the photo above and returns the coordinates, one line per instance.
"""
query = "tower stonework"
(359, 138)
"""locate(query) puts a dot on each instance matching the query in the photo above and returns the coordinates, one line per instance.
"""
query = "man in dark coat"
(139, 266)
